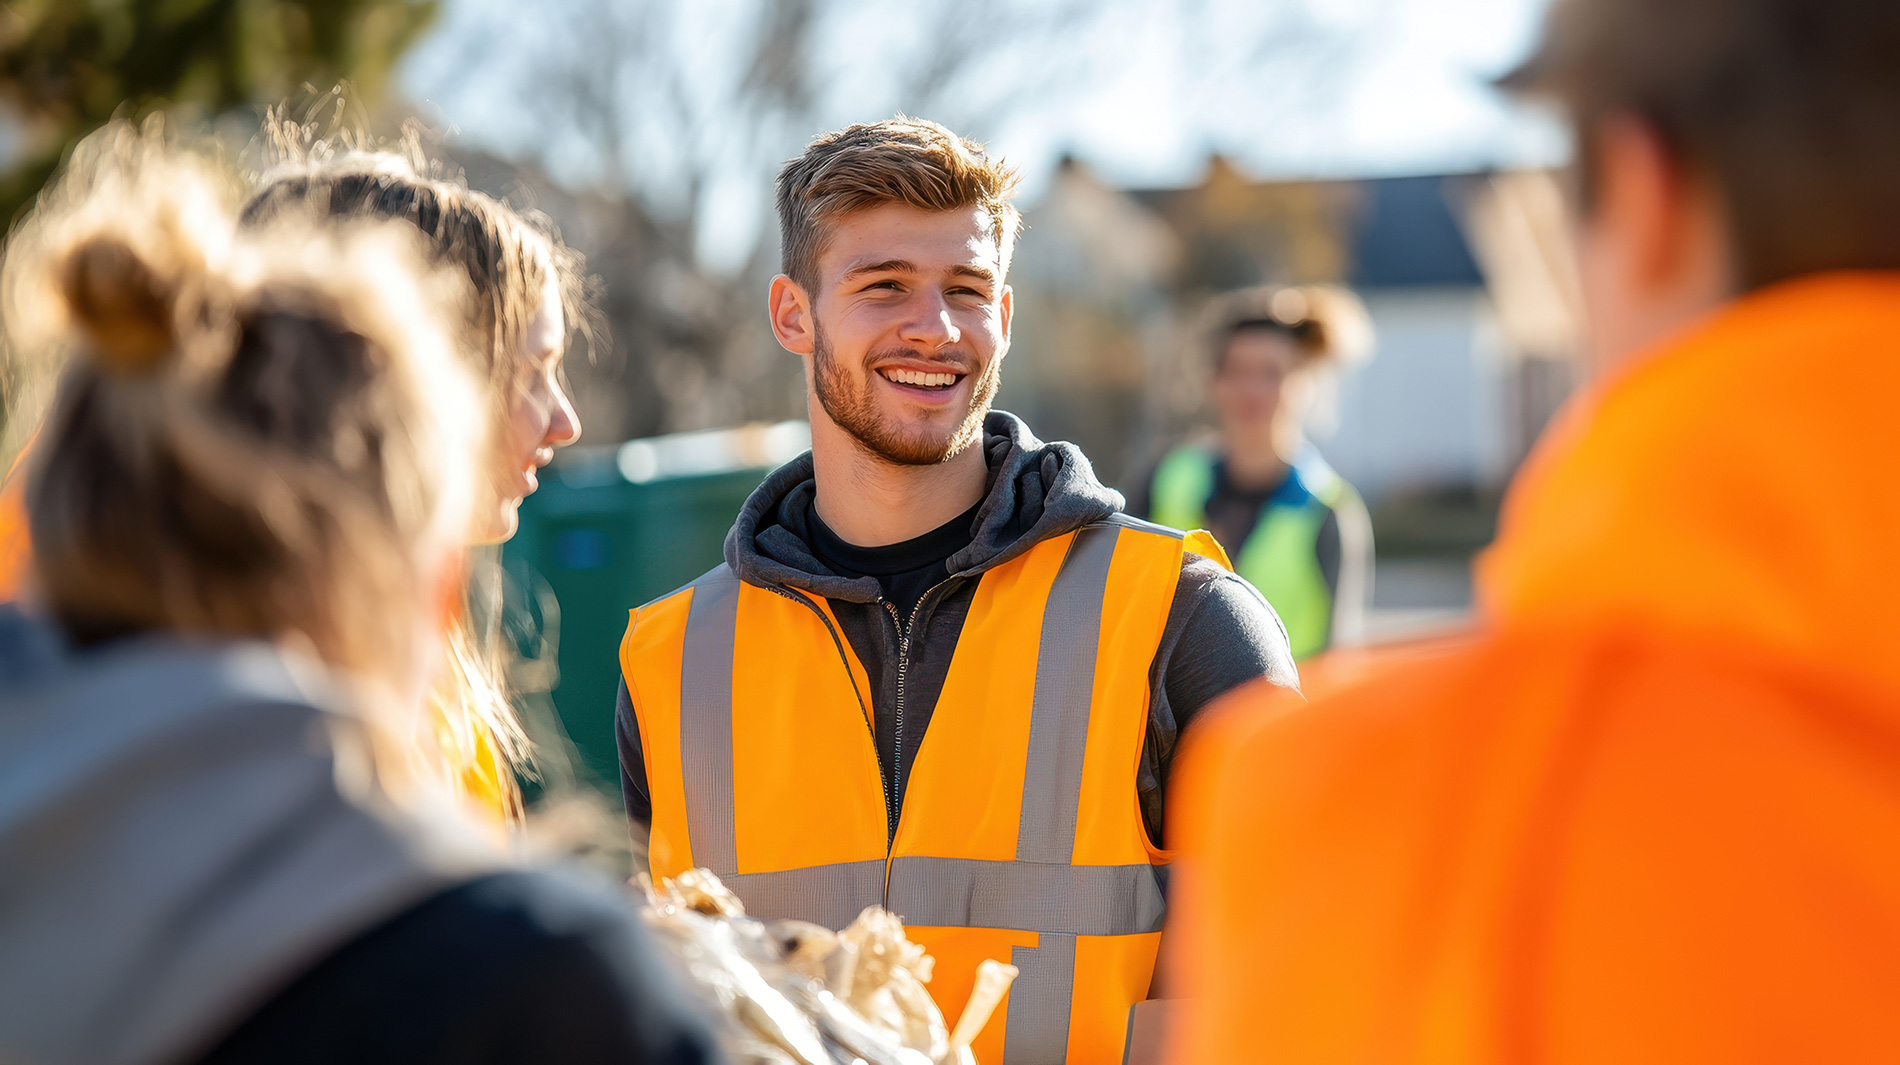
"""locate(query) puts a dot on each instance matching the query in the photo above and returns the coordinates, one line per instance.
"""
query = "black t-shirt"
(904, 571)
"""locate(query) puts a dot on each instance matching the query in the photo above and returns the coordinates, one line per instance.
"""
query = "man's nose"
(931, 326)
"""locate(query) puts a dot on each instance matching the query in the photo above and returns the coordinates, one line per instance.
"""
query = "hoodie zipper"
(897, 739)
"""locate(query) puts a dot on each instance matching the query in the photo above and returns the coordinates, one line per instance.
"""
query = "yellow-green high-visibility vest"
(1279, 557)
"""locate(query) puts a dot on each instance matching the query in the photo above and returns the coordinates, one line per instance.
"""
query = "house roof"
(1405, 234)
(1385, 232)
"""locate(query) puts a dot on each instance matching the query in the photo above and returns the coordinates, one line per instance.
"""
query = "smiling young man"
(939, 670)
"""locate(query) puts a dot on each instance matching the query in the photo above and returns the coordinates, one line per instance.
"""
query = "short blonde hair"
(902, 160)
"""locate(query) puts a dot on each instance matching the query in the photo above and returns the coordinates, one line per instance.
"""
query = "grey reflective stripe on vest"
(1065, 687)
(1129, 521)
(829, 895)
(712, 619)
(1083, 900)
(1036, 1026)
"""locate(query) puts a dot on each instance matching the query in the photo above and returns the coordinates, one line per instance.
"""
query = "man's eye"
(889, 286)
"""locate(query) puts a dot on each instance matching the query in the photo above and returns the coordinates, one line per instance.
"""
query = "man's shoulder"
(1480, 714)
(1207, 587)
(1349, 690)
(1375, 741)
(717, 576)
(1220, 633)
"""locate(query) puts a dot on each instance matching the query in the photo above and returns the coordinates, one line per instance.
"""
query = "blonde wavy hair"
(312, 171)
(264, 435)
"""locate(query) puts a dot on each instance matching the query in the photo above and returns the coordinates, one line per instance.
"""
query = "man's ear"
(1644, 190)
(1008, 301)
(792, 321)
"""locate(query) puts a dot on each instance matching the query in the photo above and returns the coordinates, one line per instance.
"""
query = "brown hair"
(507, 255)
(1326, 323)
(1787, 106)
(903, 160)
(253, 439)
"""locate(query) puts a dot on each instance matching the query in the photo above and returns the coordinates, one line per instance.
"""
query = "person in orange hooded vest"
(1648, 810)
(940, 671)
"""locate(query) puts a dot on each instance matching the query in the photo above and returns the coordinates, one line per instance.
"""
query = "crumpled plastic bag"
(794, 992)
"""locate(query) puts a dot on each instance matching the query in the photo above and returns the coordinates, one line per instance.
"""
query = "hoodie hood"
(1036, 491)
(180, 841)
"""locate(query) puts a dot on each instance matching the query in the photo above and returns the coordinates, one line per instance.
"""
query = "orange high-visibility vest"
(1020, 837)
(1649, 812)
(16, 543)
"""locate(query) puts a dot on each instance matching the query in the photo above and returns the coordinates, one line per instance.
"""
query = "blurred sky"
(1142, 91)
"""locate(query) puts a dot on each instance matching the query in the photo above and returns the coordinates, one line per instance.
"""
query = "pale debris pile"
(796, 992)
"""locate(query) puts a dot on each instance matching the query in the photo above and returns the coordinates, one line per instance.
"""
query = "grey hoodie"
(1037, 491)
(179, 839)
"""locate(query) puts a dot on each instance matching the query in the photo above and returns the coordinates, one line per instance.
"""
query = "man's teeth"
(921, 379)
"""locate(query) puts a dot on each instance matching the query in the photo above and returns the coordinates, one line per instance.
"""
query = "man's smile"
(924, 379)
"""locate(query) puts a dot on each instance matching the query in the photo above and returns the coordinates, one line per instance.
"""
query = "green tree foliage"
(67, 66)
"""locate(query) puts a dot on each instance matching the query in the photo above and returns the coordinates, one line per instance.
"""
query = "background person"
(939, 670)
(1294, 528)
(1648, 812)
(222, 835)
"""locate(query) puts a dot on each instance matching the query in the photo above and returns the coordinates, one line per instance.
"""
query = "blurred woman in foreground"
(1296, 530)
(223, 836)
(527, 289)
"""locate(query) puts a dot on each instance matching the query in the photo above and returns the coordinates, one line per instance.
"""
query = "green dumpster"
(612, 528)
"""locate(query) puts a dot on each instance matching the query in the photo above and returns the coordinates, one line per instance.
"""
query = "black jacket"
(512, 968)
(1220, 632)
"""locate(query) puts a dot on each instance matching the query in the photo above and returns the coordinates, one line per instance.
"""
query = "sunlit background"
(1170, 153)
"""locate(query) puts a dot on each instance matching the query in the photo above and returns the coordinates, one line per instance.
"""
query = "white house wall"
(1428, 409)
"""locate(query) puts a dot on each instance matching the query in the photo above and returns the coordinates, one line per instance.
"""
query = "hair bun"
(116, 297)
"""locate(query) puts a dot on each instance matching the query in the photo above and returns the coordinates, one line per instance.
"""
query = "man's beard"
(856, 412)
